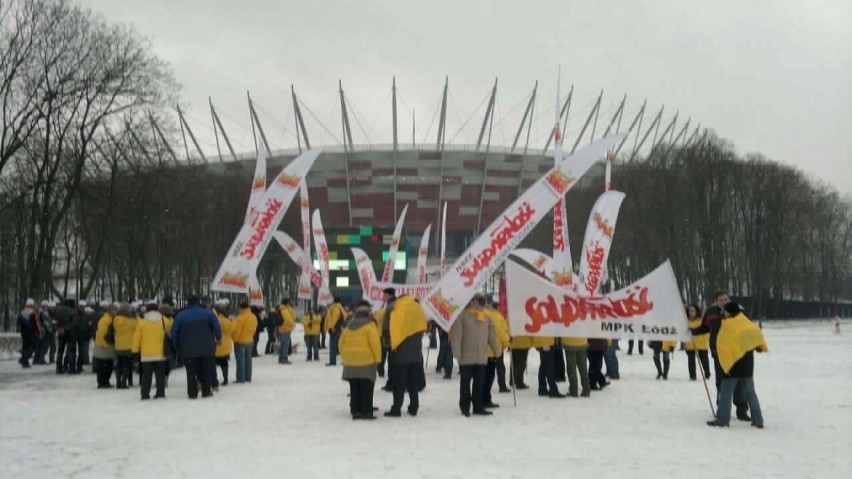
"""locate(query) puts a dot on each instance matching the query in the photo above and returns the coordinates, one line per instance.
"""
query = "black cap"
(733, 308)
(389, 291)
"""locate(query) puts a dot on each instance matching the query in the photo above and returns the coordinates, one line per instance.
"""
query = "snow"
(293, 421)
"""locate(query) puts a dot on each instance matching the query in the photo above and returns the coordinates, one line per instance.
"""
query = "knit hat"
(733, 308)
(30, 302)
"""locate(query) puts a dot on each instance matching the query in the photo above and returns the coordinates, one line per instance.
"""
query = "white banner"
(598, 241)
(254, 237)
(487, 253)
(324, 296)
(387, 275)
(444, 241)
(365, 270)
(650, 309)
(538, 260)
(298, 255)
(563, 274)
(418, 291)
(422, 254)
(258, 184)
(255, 292)
(305, 213)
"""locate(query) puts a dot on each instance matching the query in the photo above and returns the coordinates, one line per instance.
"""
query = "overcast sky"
(772, 76)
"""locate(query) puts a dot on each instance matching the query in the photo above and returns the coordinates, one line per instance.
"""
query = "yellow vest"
(738, 336)
(360, 347)
(288, 319)
(575, 342)
(521, 342)
(699, 342)
(103, 326)
(333, 316)
(224, 348)
(312, 323)
(406, 320)
(124, 328)
(148, 339)
(501, 330)
(246, 325)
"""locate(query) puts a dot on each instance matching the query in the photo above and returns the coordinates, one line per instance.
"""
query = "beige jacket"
(470, 337)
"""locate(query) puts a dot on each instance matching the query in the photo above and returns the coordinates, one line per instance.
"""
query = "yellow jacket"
(149, 336)
(544, 342)
(288, 319)
(521, 342)
(669, 346)
(407, 319)
(311, 323)
(103, 326)
(224, 348)
(335, 314)
(738, 336)
(246, 325)
(575, 342)
(501, 330)
(124, 326)
(360, 346)
(699, 342)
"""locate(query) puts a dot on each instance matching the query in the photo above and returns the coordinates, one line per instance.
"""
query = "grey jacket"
(471, 337)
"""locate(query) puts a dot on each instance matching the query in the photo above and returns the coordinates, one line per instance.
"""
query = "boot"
(659, 368)
(666, 365)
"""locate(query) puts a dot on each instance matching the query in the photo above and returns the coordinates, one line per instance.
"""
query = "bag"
(168, 348)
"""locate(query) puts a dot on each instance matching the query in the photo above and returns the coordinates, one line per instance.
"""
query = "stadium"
(367, 186)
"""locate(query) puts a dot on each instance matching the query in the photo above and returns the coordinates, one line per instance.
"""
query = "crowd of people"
(153, 338)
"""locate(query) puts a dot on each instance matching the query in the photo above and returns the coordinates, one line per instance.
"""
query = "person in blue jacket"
(195, 333)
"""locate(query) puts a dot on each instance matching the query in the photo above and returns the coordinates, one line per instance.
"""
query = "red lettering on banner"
(442, 305)
(316, 279)
(543, 311)
(501, 236)
(595, 257)
(237, 280)
(603, 225)
(559, 182)
(259, 183)
(558, 227)
(260, 221)
(421, 274)
(290, 181)
(365, 279)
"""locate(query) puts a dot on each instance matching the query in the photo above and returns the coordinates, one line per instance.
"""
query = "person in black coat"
(595, 353)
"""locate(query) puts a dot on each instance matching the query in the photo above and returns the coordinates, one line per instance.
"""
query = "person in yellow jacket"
(285, 329)
(312, 323)
(496, 368)
(334, 320)
(103, 354)
(520, 346)
(224, 348)
(662, 348)
(125, 325)
(243, 335)
(546, 347)
(575, 362)
(736, 343)
(168, 311)
(360, 351)
(699, 345)
(148, 342)
(405, 326)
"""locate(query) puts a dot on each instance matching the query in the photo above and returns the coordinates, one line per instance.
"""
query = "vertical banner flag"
(255, 292)
(444, 240)
(538, 260)
(365, 271)
(254, 236)
(598, 241)
(298, 255)
(258, 184)
(502, 298)
(305, 213)
(422, 254)
(490, 249)
(563, 272)
(608, 174)
(650, 309)
(387, 275)
(324, 297)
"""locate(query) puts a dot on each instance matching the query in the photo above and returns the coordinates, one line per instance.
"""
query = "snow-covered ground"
(293, 421)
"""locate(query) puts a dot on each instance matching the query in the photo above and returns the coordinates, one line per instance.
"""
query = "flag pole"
(706, 388)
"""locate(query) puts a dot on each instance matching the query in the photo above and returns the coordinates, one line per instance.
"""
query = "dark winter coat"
(196, 331)
(27, 325)
(598, 344)
(744, 368)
